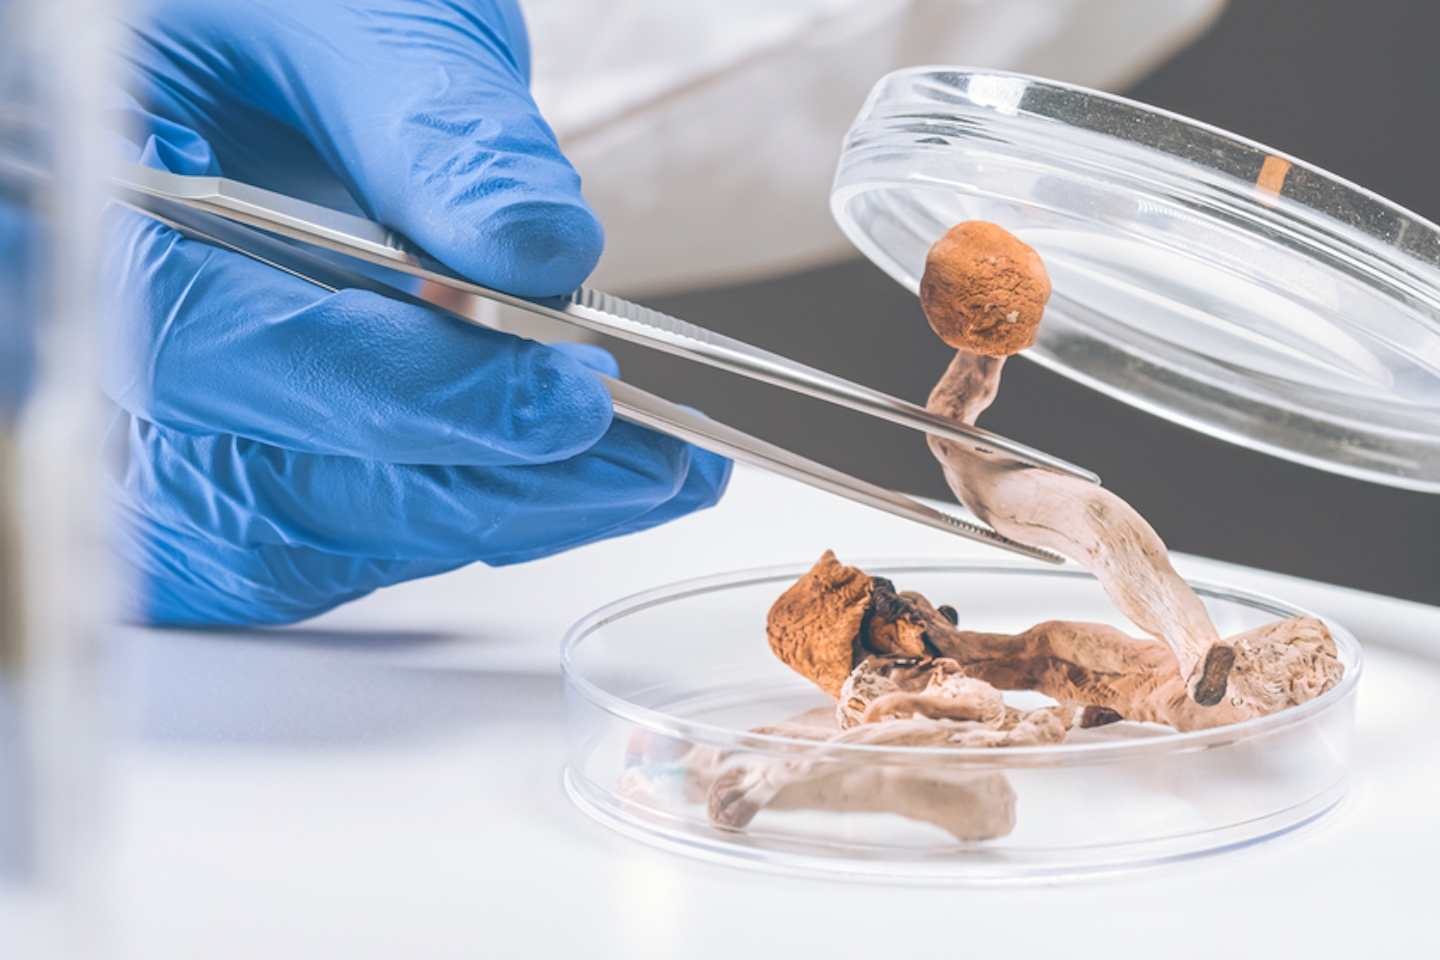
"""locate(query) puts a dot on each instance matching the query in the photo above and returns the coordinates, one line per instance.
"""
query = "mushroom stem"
(969, 804)
(1081, 520)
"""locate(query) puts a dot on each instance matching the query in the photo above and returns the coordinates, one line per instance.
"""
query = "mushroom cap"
(984, 290)
(813, 626)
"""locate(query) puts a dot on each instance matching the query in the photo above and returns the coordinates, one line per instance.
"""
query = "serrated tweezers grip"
(646, 317)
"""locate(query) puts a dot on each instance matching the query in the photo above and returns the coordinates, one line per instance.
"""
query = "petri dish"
(1197, 275)
(660, 681)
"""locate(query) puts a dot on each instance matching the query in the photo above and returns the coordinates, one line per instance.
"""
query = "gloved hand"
(286, 450)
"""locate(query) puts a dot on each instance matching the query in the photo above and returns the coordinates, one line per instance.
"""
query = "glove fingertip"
(541, 248)
(562, 409)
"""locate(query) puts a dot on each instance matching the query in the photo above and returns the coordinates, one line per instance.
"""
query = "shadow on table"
(311, 688)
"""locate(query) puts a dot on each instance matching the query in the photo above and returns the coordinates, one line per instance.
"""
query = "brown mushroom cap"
(984, 290)
(815, 624)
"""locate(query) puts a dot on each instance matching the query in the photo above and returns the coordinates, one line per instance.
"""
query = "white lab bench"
(385, 782)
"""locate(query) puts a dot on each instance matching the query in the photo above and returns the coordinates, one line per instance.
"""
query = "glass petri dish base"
(667, 685)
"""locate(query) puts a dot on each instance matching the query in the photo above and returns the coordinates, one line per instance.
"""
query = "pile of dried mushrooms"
(906, 673)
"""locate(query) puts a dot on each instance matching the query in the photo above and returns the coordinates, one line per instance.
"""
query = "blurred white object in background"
(707, 133)
(53, 566)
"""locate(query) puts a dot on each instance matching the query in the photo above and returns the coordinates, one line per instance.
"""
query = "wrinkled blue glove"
(285, 450)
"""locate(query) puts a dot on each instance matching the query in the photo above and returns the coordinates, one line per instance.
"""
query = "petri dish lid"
(1196, 275)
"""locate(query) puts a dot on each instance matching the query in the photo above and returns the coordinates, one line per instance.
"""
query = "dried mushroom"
(1087, 667)
(969, 805)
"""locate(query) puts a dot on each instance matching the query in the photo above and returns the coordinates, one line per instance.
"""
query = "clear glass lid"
(1196, 275)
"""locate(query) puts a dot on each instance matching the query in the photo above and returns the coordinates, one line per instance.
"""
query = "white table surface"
(385, 781)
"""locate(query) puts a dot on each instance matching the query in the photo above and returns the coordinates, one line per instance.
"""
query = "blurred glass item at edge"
(52, 560)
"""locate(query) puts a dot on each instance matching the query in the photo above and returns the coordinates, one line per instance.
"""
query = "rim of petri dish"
(1004, 757)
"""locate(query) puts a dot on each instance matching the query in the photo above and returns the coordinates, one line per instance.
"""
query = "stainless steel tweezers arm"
(648, 410)
(630, 403)
(589, 309)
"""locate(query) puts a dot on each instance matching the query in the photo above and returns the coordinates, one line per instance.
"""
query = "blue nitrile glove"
(286, 450)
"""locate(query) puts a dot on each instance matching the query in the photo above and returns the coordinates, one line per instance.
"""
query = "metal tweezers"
(267, 226)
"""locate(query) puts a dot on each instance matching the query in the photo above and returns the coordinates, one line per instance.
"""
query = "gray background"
(1350, 85)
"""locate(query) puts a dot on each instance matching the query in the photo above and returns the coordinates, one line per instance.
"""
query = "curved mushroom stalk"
(970, 805)
(1086, 523)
